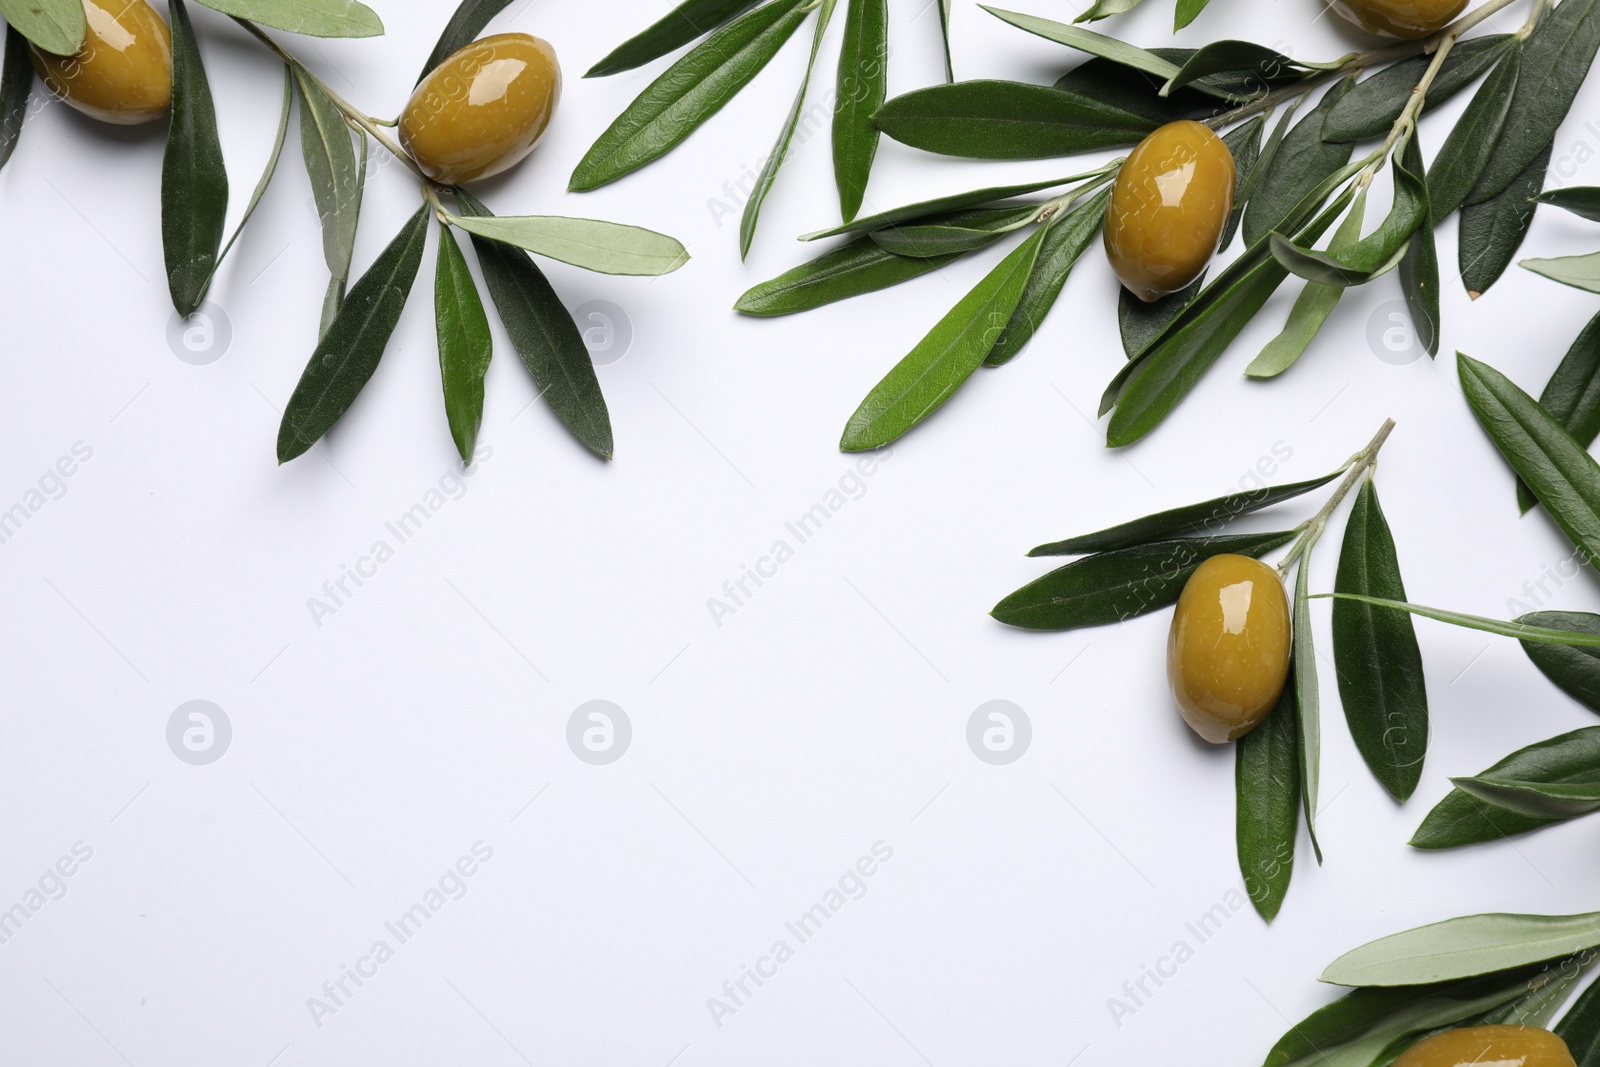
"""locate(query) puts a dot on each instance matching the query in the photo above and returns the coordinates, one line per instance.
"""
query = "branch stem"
(1359, 465)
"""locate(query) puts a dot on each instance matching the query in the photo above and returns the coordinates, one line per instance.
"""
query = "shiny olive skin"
(1228, 650)
(481, 111)
(1168, 206)
(1489, 1046)
(1400, 18)
(123, 72)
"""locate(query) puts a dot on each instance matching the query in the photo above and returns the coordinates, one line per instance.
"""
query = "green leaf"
(1135, 94)
(1220, 57)
(1267, 810)
(1572, 396)
(463, 28)
(1244, 143)
(270, 169)
(862, 87)
(334, 299)
(1555, 60)
(774, 160)
(465, 345)
(687, 22)
(1520, 630)
(1419, 270)
(1314, 304)
(1204, 518)
(1186, 12)
(1468, 947)
(1575, 671)
(194, 182)
(593, 244)
(1580, 272)
(944, 34)
(1472, 141)
(56, 26)
(1580, 1028)
(1582, 200)
(1537, 800)
(1460, 819)
(856, 268)
(1302, 162)
(932, 371)
(1139, 322)
(1066, 238)
(690, 92)
(1105, 9)
(348, 354)
(1491, 232)
(1124, 583)
(16, 82)
(1375, 654)
(314, 18)
(544, 335)
(1006, 120)
(944, 205)
(1561, 474)
(1307, 696)
(1369, 110)
(961, 231)
(336, 175)
(1095, 44)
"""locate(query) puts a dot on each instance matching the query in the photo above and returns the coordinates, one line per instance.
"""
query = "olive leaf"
(1492, 231)
(932, 371)
(862, 87)
(1468, 947)
(1267, 809)
(593, 244)
(333, 299)
(1133, 93)
(314, 18)
(1466, 151)
(1244, 144)
(1575, 671)
(1124, 583)
(850, 270)
(1204, 517)
(689, 21)
(1371, 107)
(267, 173)
(1307, 695)
(1419, 269)
(1139, 322)
(961, 231)
(774, 159)
(465, 345)
(1006, 120)
(336, 183)
(944, 205)
(1375, 654)
(1301, 163)
(1522, 631)
(1186, 12)
(688, 93)
(1579, 1027)
(1580, 272)
(1105, 9)
(1095, 44)
(1066, 239)
(944, 34)
(349, 352)
(1461, 819)
(56, 26)
(1582, 200)
(1220, 57)
(463, 28)
(1537, 800)
(544, 335)
(1572, 396)
(1314, 304)
(16, 82)
(194, 182)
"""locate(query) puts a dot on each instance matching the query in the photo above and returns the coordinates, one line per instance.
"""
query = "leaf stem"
(1359, 464)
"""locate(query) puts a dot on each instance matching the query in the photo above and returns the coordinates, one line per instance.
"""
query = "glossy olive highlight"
(123, 72)
(1400, 18)
(481, 111)
(1489, 1046)
(1228, 650)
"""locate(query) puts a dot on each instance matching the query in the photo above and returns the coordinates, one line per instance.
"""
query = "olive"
(1400, 18)
(482, 110)
(1228, 651)
(123, 72)
(1488, 1046)
(1168, 206)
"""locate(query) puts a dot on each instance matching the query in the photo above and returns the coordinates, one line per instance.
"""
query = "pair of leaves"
(1567, 764)
(1370, 109)
(338, 179)
(1572, 396)
(687, 22)
(1576, 671)
(1301, 162)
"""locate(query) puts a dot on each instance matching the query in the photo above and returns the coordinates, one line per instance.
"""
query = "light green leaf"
(1313, 306)
(1520, 630)
(315, 18)
(336, 175)
(1096, 44)
(1580, 272)
(1464, 948)
(607, 247)
(56, 26)
(194, 181)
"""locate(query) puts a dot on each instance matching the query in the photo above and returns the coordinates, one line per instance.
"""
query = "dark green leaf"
(687, 22)
(1575, 671)
(1471, 946)
(1186, 12)
(1373, 105)
(944, 34)
(1066, 238)
(1581, 200)
(1267, 810)
(850, 270)
(932, 371)
(56, 26)
(1307, 696)
(1140, 322)
(1300, 164)
(348, 354)
(690, 92)
(1572, 396)
(315, 18)
(1491, 232)
(16, 81)
(1124, 583)
(336, 178)
(1580, 1028)
(1472, 141)
(1419, 270)
(1520, 630)
(1536, 800)
(544, 335)
(194, 182)
(1555, 60)
(1204, 517)
(1375, 654)
(927, 209)
(1231, 57)
(463, 28)
(465, 344)
(861, 89)
(957, 232)
(1313, 306)
(1006, 120)
(1244, 143)
(1134, 93)
(1460, 819)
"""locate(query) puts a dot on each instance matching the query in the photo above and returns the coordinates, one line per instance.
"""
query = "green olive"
(1168, 206)
(1400, 18)
(1228, 651)
(123, 72)
(482, 110)
(1489, 1046)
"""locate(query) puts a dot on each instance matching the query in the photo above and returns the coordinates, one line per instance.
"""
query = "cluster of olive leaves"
(700, 83)
(1476, 970)
(1294, 184)
(357, 325)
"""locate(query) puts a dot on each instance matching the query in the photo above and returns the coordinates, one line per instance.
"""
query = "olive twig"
(1359, 465)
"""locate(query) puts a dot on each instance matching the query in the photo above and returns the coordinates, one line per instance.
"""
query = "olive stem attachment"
(1359, 465)
(430, 193)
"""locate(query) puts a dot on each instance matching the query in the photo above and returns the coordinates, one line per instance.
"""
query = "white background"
(769, 753)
